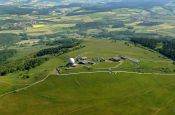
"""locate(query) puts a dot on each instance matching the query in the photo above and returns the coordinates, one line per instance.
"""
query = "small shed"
(83, 58)
(83, 62)
(86, 62)
(116, 59)
(134, 60)
(123, 57)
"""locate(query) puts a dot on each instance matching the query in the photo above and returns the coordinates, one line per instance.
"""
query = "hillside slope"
(131, 88)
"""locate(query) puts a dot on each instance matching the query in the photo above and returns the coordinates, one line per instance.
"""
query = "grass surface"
(94, 93)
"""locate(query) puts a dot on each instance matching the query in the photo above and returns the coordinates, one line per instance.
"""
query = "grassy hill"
(106, 29)
(95, 94)
(126, 90)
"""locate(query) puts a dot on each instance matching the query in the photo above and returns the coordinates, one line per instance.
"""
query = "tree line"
(21, 65)
(63, 46)
(164, 45)
(59, 47)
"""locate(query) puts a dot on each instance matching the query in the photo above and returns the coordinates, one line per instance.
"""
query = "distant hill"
(78, 1)
(63, 1)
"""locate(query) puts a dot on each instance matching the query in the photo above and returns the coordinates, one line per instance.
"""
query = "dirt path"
(24, 88)
(110, 72)
(115, 73)
(116, 66)
(158, 60)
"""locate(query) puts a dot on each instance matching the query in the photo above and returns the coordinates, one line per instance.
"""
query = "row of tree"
(168, 49)
(62, 46)
(147, 42)
(19, 65)
(58, 47)
(165, 46)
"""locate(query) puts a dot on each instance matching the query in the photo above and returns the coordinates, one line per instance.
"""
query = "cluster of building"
(82, 60)
(28, 23)
(119, 58)
(85, 61)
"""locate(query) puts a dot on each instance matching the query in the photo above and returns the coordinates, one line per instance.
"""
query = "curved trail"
(110, 72)
(24, 88)
(115, 73)
(116, 66)
(158, 60)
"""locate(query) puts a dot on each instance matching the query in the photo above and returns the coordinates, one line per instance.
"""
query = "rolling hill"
(87, 57)
(97, 91)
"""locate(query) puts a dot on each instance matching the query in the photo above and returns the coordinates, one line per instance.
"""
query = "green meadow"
(104, 93)
(91, 94)
(106, 88)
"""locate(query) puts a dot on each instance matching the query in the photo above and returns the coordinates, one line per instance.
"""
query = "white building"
(71, 62)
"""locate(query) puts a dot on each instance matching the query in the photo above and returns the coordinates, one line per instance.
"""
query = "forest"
(21, 65)
(57, 47)
(164, 45)
(5, 54)
(62, 46)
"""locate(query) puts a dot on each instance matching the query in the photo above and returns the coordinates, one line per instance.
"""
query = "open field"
(100, 93)
(97, 92)
(102, 31)
(130, 17)
(94, 49)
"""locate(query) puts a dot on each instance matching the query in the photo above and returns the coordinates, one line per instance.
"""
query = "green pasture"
(94, 94)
